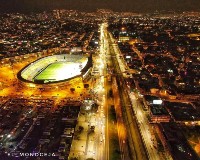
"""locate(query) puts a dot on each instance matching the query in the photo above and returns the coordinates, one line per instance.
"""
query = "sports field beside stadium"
(59, 71)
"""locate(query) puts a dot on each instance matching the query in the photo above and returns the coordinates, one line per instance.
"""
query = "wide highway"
(135, 144)
(138, 114)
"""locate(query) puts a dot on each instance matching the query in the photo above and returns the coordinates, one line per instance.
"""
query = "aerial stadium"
(56, 69)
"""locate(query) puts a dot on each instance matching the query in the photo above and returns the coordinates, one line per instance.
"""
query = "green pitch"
(56, 71)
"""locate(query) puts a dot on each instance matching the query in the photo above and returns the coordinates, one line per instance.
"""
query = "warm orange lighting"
(123, 28)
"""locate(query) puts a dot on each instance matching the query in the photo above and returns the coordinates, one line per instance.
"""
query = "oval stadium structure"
(55, 68)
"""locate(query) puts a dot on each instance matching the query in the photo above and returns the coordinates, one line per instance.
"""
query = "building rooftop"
(177, 143)
(158, 110)
(182, 111)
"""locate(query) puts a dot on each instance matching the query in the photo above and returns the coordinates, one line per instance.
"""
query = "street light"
(9, 135)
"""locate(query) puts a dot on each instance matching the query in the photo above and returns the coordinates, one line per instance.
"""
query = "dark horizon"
(145, 6)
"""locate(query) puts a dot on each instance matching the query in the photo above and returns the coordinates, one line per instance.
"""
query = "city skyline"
(93, 5)
(100, 85)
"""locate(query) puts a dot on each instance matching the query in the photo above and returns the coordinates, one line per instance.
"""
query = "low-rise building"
(158, 114)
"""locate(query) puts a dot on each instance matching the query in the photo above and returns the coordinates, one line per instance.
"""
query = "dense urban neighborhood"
(100, 85)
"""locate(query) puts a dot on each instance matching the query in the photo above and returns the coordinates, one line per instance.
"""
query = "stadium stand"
(29, 72)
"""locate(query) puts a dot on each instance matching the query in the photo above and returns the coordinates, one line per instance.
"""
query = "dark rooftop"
(182, 111)
(177, 143)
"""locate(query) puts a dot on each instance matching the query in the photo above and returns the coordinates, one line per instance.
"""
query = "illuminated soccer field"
(55, 68)
(59, 71)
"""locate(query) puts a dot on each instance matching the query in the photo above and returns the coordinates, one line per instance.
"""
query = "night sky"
(92, 5)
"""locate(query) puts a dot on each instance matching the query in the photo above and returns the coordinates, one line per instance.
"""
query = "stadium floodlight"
(158, 101)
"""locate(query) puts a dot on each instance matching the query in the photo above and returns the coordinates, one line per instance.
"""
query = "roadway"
(120, 124)
(104, 62)
(104, 80)
(99, 94)
(134, 138)
(121, 128)
(145, 129)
